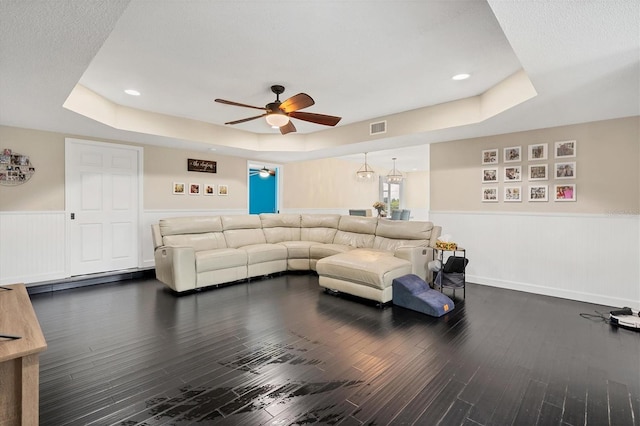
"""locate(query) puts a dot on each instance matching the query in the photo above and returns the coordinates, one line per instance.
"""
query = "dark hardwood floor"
(279, 351)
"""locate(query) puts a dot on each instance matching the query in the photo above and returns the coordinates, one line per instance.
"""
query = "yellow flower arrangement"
(379, 205)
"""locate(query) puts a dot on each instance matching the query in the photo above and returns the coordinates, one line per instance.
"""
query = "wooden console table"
(20, 346)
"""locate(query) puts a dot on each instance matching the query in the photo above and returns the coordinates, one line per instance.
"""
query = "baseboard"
(89, 280)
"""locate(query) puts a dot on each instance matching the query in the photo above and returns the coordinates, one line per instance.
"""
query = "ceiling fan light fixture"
(264, 172)
(365, 172)
(394, 175)
(277, 119)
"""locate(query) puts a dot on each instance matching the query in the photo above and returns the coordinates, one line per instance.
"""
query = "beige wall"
(416, 191)
(45, 190)
(162, 166)
(326, 184)
(607, 179)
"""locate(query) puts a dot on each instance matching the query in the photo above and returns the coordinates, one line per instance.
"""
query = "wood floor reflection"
(279, 351)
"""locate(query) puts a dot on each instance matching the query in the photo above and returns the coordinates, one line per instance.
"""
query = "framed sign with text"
(204, 166)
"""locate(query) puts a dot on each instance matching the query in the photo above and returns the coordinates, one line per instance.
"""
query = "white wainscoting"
(32, 246)
(590, 258)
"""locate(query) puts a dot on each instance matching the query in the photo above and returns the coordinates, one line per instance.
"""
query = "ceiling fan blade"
(327, 120)
(222, 101)
(297, 102)
(246, 119)
(287, 128)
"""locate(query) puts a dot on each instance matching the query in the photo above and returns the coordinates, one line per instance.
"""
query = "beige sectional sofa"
(351, 254)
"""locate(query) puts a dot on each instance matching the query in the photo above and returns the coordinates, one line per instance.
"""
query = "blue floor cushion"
(412, 292)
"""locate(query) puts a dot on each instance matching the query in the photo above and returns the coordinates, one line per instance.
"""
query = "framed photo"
(490, 156)
(513, 154)
(566, 170)
(490, 194)
(490, 175)
(178, 188)
(565, 149)
(538, 193)
(223, 190)
(209, 189)
(538, 172)
(512, 193)
(513, 173)
(565, 193)
(538, 152)
(194, 189)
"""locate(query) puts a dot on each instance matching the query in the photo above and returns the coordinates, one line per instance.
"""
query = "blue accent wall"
(262, 193)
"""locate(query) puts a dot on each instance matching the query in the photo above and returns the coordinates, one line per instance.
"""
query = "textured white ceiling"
(359, 60)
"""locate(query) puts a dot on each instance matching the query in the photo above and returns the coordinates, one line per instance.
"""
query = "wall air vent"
(378, 128)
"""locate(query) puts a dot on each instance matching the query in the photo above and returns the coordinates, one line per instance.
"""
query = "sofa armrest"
(435, 234)
(419, 258)
(176, 267)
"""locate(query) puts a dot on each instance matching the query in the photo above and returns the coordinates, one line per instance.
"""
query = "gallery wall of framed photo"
(538, 172)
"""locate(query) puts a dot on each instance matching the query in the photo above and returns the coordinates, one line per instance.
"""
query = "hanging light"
(365, 172)
(264, 172)
(277, 119)
(394, 175)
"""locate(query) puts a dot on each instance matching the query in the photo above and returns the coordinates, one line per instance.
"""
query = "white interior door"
(102, 194)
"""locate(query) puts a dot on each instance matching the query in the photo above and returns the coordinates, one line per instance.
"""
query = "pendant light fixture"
(394, 175)
(365, 172)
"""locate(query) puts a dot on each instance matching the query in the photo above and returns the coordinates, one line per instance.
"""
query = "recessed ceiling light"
(212, 149)
(460, 77)
(132, 92)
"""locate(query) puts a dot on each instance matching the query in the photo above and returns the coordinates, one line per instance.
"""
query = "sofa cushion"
(243, 237)
(241, 221)
(280, 227)
(356, 231)
(213, 260)
(319, 227)
(259, 253)
(190, 225)
(277, 220)
(298, 249)
(320, 251)
(199, 242)
(373, 268)
(391, 244)
(404, 230)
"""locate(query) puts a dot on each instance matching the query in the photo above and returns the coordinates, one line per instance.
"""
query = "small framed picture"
(538, 152)
(538, 193)
(512, 193)
(565, 192)
(513, 154)
(513, 173)
(490, 175)
(194, 189)
(490, 156)
(223, 190)
(566, 170)
(209, 189)
(178, 188)
(490, 194)
(565, 149)
(538, 172)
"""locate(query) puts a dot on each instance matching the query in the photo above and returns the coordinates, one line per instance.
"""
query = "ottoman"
(366, 273)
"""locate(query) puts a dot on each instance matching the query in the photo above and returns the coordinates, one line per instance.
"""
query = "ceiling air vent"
(378, 128)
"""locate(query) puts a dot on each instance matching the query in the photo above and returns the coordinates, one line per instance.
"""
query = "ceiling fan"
(278, 113)
(264, 172)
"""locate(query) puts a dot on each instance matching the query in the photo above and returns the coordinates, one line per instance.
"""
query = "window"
(391, 194)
